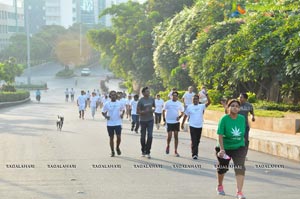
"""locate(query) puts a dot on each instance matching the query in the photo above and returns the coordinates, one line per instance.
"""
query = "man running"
(144, 109)
(195, 113)
(114, 111)
(81, 103)
(174, 111)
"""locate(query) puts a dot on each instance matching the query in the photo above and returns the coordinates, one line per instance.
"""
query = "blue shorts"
(114, 130)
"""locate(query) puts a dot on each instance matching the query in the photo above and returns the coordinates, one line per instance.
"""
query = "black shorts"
(114, 130)
(237, 155)
(173, 127)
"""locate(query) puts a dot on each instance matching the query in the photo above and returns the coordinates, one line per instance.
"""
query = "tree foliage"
(9, 70)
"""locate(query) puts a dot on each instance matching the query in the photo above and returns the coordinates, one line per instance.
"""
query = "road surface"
(39, 162)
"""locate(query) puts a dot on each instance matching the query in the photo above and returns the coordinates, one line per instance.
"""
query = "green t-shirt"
(233, 131)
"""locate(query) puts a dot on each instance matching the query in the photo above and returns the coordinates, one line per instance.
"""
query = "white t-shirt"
(72, 92)
(66, 92)
(123, 102)
(173, 109)
(159, 104)
(133, 105)
(81, 102)
(170, 95)
(94, 101)
(188, 98)
(114, 110)
(202, 96)
(88, 95)
(195, 112)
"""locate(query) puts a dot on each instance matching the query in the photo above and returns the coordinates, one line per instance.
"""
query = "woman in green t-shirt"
(231, 145)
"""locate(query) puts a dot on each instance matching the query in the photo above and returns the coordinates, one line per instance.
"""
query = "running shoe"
(148, 156)
(240, 195)
(177, 154)
(143, 154)
(167, 150)
(118, 151)
(195, 157)
(112, 154)
(220, 190)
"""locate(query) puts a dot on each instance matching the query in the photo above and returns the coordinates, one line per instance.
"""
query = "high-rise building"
(36, 14)
(11, 22)
(53, 12)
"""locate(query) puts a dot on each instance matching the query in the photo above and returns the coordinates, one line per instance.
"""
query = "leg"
(247, 138)
(143, 137)
(111, 132)
(137, 123)
(176, 142)
(149, 136)
(194, 141)
(82, 114)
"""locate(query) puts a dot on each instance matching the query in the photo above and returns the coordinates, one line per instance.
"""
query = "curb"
(8, 104)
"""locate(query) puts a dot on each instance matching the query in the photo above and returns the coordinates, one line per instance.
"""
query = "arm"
(180, 116)
(183, 121)
(208, 101)
(222, 151)
(252, 114)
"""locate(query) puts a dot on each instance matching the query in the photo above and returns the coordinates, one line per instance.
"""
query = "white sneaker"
(148, 156)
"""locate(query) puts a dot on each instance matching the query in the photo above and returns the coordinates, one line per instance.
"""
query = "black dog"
(59, 122)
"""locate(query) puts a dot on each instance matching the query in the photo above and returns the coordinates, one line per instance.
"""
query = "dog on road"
(59, 122)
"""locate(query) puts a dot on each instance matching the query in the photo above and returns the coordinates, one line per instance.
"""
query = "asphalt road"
(39, 162)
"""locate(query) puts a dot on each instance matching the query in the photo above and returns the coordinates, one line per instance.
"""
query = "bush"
(65, 73)
(8, 88)
(215, 96)
(251, 97)
(14, 96)
(277, 106)
(32, 86)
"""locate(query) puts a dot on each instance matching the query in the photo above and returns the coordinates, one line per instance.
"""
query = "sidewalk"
(278, 144)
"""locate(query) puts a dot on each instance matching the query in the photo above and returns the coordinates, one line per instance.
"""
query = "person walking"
(38, 95)
(135, 117)
(172, 112)
(145, 110)
(245, 109)
(231, 145)
(188, 97)
(202, 95)
(93, 104)
(159, 104)
(113, 112)
(67, 94)
(72, 93)
(195, 113)
(81, 103)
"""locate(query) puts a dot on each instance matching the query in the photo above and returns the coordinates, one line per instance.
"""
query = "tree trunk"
(274, 91)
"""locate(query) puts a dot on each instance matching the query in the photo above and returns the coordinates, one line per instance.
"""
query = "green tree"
(9, 70)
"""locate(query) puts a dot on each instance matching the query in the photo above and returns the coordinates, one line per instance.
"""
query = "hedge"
(14, 96)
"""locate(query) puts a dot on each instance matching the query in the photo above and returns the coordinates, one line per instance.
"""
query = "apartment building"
(11, 22)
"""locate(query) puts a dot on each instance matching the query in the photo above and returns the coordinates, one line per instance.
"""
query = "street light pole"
(28, 45)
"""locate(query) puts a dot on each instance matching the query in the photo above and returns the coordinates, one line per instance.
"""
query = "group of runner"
(144, 112)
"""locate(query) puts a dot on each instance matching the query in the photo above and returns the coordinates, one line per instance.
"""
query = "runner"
(93, 104)
(72, 93)
(113, 111)
(67, 94)
(195, 113)
(81, 103)
(144, 109)
(159, 104)
(172, 109)
(231, 145)
(135, 117)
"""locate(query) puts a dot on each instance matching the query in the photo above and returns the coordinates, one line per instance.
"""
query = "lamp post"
(28, 44)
